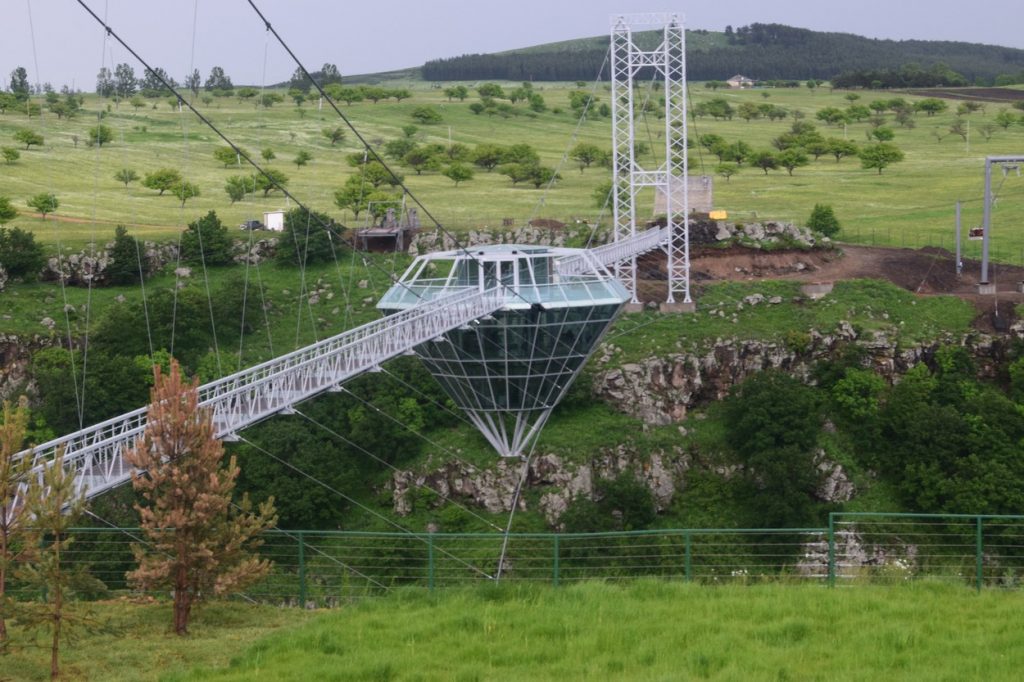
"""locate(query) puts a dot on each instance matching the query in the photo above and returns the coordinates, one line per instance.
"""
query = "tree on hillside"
(127, 176)
(426, 115)
(585, 154)
(206, 241)
(792, 159)
(217, 80)
(7, 212)
(727, 170)
(329, 74)
(1005, 118)
(309, 237)
(237, 186)
(55, 506)
(20, 253)
(28, 137)
(44, 203)
(19, 83)
(335, 135)
(458, 172)
(880, 156)
(459, 92)
(14, 542)
(199, 545)
(765, 160)
(185, 190)
(100, 135)
(124, 266)
(839, 148)
(193, 81)
(125, 83)
(931, 106)
(226, 155)
(268, 154)
(302, 158)
(421, 159)
(161, 180)
(269, 180)
(10, 155)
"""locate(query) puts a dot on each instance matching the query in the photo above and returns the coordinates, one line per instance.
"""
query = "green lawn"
(137, 643)
(650, 631)
(910, 203)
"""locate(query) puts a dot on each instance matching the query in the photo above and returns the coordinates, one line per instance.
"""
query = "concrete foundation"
(690, 307)
(986, 288)
(633, 308)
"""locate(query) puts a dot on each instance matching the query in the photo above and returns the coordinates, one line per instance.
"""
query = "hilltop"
(759, 51)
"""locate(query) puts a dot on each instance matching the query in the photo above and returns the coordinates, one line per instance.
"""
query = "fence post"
(979, 576)
(302, 570)
(555, 567)
(688, 556)
(430, 561)
(831, 549)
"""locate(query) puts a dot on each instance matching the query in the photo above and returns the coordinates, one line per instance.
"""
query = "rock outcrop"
(662, 390)
(560, 481)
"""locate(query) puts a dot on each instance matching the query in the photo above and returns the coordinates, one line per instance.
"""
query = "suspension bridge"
(505, 329)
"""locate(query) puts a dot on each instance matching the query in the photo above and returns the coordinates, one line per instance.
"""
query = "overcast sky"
(381, 35)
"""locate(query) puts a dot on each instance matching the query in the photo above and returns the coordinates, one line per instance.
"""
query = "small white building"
(274, 220)
(739, 81)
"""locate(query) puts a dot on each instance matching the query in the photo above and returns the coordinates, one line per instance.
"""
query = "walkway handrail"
(244, 398)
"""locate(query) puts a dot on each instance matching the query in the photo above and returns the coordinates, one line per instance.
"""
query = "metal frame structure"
(247, 397)
(668, 60)
(987, 221)
(509, 370)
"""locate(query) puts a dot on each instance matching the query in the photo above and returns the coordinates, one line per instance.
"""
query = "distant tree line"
(759, 51)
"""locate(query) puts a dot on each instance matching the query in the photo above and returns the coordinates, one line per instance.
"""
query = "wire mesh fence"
(329, 568)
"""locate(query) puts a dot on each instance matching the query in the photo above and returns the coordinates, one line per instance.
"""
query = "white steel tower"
(670, 178)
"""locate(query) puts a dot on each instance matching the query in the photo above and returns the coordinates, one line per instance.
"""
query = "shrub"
(823, 220)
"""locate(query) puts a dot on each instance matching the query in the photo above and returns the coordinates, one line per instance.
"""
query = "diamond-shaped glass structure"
(507, 371)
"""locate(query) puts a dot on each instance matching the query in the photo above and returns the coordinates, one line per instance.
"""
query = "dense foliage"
(758, 51)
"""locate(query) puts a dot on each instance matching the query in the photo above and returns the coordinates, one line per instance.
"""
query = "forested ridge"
(759, 51)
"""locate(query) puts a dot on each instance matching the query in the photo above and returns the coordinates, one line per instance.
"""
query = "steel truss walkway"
(247, 397)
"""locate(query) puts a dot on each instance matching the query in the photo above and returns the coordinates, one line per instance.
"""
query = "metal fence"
(325, 568)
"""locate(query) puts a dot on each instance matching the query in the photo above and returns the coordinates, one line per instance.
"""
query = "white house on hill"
(739, 81)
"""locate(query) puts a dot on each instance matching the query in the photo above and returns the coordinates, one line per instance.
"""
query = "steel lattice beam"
(628, 177)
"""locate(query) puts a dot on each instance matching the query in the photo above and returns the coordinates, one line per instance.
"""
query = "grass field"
(137, 643)
(645, 630)
(911, 203)
(650, 631)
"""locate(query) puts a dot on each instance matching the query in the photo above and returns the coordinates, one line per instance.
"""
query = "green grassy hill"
(760, 51)
(911, 203)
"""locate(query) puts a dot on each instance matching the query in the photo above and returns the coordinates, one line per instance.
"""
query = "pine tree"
(55, 506)
(12, 529)
(198, 545)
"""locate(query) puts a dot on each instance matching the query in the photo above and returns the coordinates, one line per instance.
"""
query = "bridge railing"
(243, 398)
(615, 252)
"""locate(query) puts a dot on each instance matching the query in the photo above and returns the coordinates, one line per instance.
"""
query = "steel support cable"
(92, 238)
(132, 221)
(79, 390)
(238, 160)
(362, 506)
(533, 447)
(446, 498)
(423, 394)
